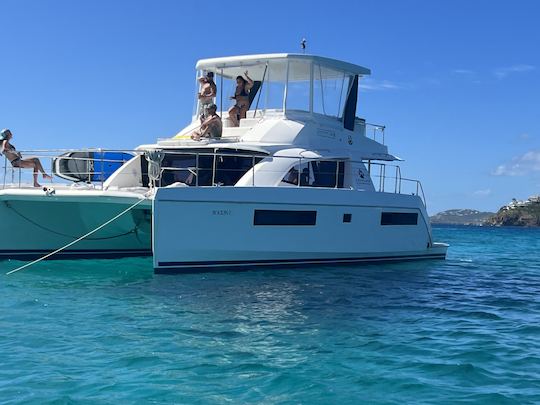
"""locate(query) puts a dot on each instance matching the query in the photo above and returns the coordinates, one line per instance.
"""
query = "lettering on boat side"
(221, 212)
(326, 133)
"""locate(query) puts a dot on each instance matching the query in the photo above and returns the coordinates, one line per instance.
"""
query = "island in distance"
(516, 213)
(461, 217)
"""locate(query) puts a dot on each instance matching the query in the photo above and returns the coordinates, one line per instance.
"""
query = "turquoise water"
(110, 331)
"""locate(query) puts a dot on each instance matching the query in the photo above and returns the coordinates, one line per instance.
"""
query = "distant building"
(519, 204)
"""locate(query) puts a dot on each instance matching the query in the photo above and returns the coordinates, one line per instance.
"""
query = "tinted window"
(399, 218)
(316, 174)
(186, 168)
(326, 173)
(278, 217)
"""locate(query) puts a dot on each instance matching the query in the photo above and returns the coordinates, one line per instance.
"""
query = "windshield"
(276, 86)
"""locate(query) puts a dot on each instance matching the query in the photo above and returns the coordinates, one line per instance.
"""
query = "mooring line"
(134, 230)
(78, 239)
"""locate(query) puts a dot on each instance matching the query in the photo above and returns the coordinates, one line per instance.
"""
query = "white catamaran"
(297, 179)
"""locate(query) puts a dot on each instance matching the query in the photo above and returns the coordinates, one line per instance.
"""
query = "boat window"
(299, 84)
(178, 168)
(316, 174)
(299, 174)
(328, 173)
(273, 88)
(223, 169)
(229, 169)
(291, 83)
(330, 90)
(399, 218)
(281, 217)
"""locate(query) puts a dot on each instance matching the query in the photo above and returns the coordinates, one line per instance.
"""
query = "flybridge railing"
(372, 131)
(13, 176)
(375, 132)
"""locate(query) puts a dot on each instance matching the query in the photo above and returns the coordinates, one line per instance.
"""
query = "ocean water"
(464, 330)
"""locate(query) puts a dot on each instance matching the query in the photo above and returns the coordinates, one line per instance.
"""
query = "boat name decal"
(221, 212)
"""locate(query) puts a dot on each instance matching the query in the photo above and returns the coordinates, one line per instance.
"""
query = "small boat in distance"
(301, 180)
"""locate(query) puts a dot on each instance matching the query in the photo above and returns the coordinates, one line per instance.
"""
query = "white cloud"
(482, 193)
(463, 72)
(503, 72)
(527, 163)
(374, 85)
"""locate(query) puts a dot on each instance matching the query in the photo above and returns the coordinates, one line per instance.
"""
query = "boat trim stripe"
(273, 262)
(74, 253)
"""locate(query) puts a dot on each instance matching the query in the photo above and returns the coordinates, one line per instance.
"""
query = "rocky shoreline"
(517, 213)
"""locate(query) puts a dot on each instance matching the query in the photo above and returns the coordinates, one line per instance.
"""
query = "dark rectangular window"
(399, 218)
(347, 217)
(327, 173)
(277, 217)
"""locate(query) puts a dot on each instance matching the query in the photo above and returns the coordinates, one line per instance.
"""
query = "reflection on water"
(111, 330)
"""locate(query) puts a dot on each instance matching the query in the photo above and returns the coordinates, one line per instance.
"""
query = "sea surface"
(464, 330)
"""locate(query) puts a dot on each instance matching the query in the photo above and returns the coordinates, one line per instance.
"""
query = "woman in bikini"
(241, 95)
(16, 159)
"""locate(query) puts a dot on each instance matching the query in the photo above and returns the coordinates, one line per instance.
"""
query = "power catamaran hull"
(34, 224)
(201, 229)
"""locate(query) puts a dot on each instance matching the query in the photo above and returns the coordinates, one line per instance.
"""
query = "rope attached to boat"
(154, 158)
(78, 239)
(8, 205)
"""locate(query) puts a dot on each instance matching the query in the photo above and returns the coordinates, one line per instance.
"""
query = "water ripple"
(461, 330)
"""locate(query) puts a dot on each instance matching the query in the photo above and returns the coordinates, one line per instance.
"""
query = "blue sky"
(457, 83)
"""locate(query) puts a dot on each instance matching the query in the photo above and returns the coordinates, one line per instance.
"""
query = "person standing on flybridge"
(16, 159)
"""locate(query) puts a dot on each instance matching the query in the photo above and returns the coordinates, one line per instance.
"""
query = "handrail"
(375, 129)
(400, 185)
(47, 157)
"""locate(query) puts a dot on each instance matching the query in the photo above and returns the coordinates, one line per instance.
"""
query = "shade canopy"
(299, 67)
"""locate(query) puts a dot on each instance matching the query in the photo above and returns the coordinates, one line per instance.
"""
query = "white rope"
(77, 240)
(154, 158)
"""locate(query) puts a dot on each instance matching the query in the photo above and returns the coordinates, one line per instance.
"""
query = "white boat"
(36, 221)
(299, 181)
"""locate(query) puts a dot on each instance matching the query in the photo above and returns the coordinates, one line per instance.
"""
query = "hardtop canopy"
(233, 66)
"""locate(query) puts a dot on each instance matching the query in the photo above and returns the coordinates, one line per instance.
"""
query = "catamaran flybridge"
(301, 180)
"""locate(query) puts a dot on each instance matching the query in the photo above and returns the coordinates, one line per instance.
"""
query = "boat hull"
(34, 224)
(234, 228)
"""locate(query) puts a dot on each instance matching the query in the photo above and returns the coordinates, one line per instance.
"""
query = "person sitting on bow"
(16, 159)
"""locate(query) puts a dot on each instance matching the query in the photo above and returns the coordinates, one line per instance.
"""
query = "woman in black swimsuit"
(241, 95)
(16, 159)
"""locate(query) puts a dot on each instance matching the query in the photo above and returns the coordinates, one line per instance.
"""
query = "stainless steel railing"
(392, 182)
(372, 131)
(385, 177)
(401, 185)
(23, 177)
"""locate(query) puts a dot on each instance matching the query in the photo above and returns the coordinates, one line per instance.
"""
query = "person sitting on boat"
(241, 95)
(211, 126)
(16, 159)
(207, 93)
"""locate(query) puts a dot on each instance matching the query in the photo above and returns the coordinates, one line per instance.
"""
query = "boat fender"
(49, 191)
